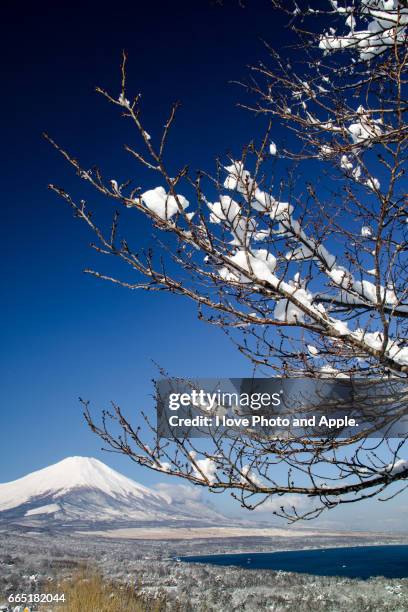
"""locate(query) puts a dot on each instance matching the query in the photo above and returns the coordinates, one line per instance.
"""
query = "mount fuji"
(84, 493)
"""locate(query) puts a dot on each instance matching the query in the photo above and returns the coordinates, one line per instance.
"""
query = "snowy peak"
(84, 493)
(67, 475)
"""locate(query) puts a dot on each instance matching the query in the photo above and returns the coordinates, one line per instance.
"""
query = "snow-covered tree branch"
(307, 276)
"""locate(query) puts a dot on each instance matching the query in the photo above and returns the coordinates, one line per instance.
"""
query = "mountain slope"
(84, 492)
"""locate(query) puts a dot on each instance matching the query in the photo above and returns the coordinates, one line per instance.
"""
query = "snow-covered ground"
(36, 562)
(135, 536)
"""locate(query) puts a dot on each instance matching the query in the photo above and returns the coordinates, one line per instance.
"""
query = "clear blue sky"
(64, 333)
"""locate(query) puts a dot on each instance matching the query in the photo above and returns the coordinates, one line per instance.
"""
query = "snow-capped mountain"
(83, 492)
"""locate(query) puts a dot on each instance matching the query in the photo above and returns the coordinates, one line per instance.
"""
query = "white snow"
(365, 128)
(341, 327)
(224, 210)
(114, 185)
(248, 474)
(162, 204)
(47, 509)
(385, 27)
(345, 163)
(206, 468)
(259, 263)
(327, 371)
(86, 490)
(351, 22)
(326, 151)
(67, 475)
(286, 311)
(375, 340)
(366, 231)
(398, 466)
(357, 292)
(238, 178)
(123, 101)
(373, 183)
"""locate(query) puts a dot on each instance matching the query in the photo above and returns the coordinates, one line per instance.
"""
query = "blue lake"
(354, 562)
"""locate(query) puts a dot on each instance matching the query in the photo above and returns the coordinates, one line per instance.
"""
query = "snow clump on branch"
(162, 204)
(385, 21)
